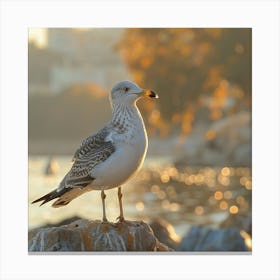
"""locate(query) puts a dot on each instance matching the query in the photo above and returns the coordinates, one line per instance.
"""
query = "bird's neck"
(124, 115)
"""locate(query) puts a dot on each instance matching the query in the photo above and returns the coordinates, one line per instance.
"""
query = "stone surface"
(207, 239)
(230, 145)
(84, 235)
(243, 222)
(165, 232)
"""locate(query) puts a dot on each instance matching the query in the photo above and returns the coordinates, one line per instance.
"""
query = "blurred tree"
(184, 63)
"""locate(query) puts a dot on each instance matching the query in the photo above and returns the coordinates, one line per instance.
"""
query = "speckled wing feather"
(87, 159)
(93, 150)
(92, 142)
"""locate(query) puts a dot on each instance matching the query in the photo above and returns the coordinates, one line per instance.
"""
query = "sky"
(38, 36)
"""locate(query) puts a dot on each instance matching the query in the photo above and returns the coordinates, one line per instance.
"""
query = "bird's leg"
(121, 217)
(103, 196)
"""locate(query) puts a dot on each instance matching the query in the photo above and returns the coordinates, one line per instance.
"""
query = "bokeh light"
(233, 209)
(139, 206)
(223, 205)
(225, 171)
(218, 195)
(199, 210)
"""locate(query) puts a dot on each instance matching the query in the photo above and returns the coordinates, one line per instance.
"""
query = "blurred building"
(77, 56)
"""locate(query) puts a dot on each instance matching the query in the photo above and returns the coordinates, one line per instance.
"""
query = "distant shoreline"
(161, 148)
(52, 147)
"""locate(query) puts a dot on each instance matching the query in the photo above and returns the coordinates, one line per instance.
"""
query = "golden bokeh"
(140, 206)
(155, 188)
(218, 195)
(164, 177)
(223, 205)
(243, 180)
(172, 172)
(223, 180)
(225, 171)
(199, 210)
(174, 206)
(247, 238)
(233, 209)
(248, 185)
(199, 178)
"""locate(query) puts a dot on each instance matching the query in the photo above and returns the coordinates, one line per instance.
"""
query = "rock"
(207, 239)
(84, 235)
(243, 222)
(233, 136)
(165, 233)
(226, 142)
(243, 154)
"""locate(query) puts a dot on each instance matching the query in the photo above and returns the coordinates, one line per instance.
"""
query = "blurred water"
(181, 195)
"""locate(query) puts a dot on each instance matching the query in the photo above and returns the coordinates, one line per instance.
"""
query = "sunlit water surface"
(183, 196)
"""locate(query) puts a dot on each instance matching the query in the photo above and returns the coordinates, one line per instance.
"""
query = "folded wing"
(93, 150)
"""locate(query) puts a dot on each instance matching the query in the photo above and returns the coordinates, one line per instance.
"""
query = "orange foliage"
(214, 77)
(220, 94)
(210, 135)
(182, 64)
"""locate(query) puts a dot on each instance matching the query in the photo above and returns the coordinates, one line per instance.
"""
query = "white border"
(262, 16)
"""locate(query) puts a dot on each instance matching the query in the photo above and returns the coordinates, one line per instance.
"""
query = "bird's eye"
(125, 89)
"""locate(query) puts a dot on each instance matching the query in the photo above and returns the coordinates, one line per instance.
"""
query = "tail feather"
(64, 196)
(48, 197)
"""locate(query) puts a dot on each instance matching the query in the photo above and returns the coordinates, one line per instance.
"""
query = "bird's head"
(126, 92)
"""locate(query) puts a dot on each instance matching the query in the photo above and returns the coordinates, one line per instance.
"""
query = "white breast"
(127, 159)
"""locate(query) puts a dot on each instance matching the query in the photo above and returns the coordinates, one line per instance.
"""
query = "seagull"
(109, 158)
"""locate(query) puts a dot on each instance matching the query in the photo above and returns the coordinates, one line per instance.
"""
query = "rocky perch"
(85, 235)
